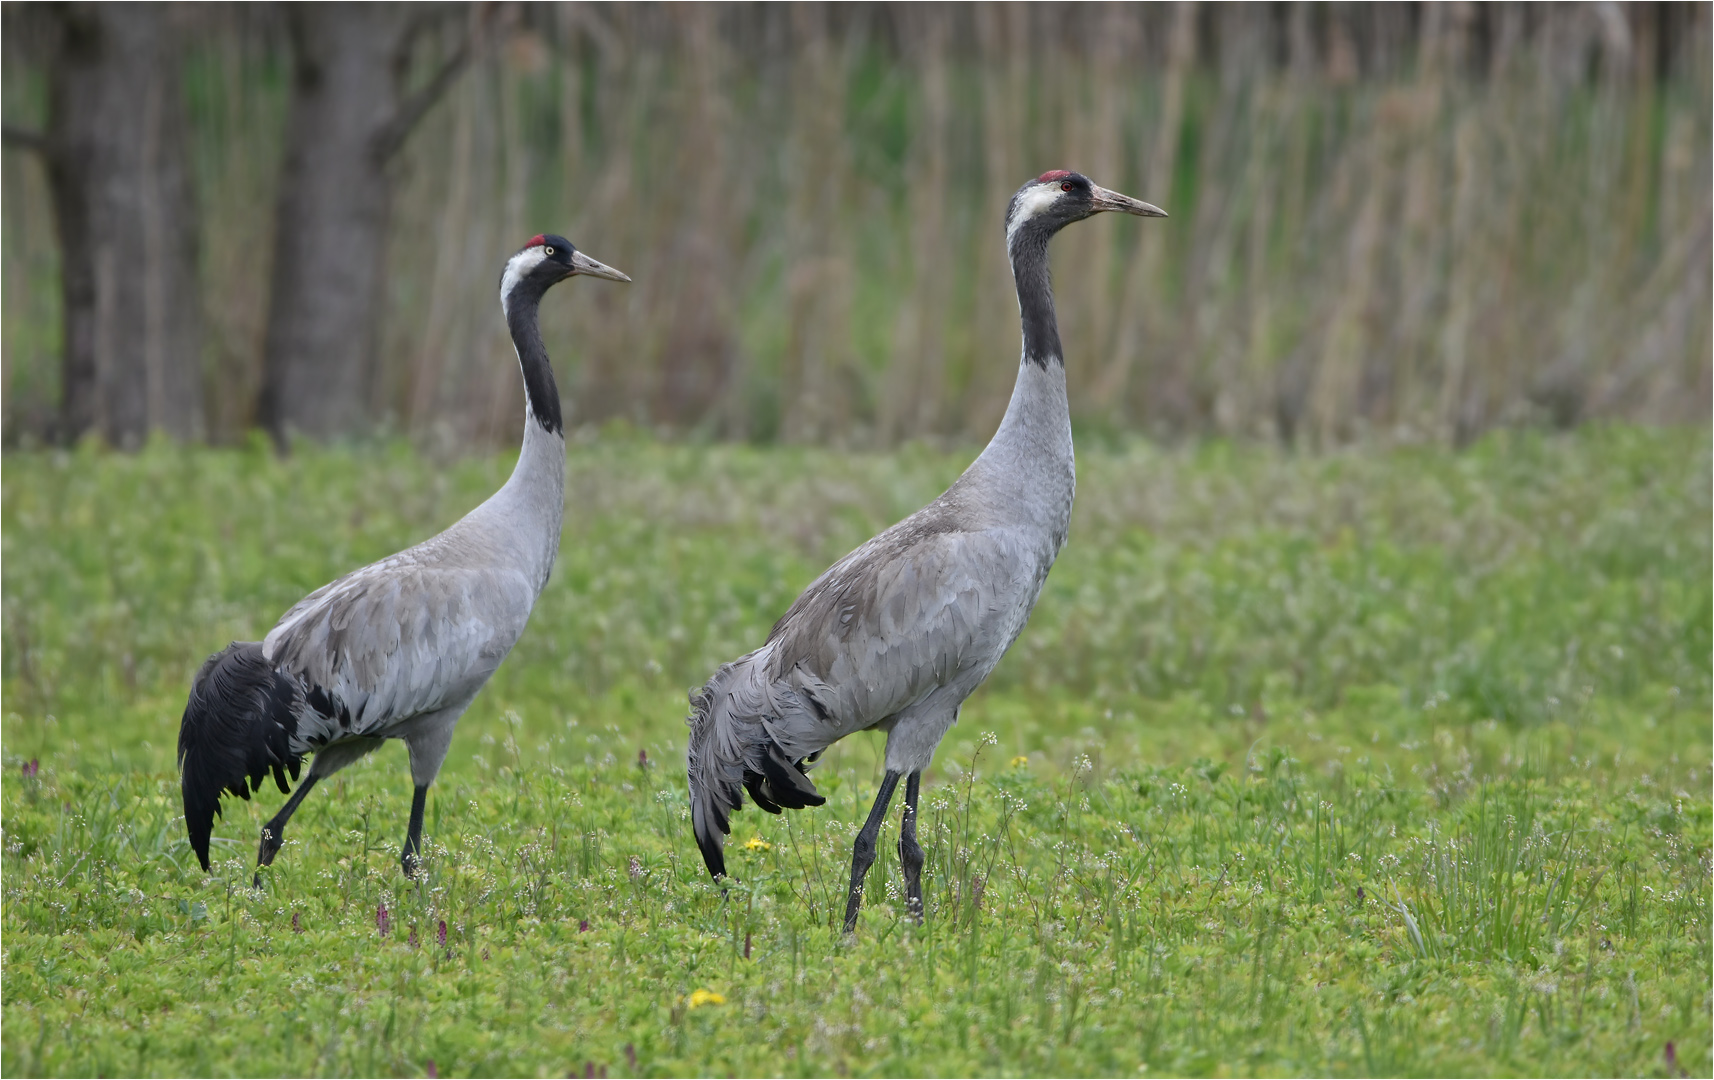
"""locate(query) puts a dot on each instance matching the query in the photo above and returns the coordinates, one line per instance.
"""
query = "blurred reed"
(1392, 221)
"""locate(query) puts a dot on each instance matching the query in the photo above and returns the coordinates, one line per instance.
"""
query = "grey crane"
(399, 648)
(898, 633)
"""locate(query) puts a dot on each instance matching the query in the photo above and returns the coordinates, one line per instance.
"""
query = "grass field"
(1371, 763)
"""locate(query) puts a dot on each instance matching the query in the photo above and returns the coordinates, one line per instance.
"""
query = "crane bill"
(583, 264)
(1123, 204)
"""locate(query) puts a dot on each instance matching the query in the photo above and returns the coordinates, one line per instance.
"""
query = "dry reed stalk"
(915, 379)
(1384, 223)
(1145, 289)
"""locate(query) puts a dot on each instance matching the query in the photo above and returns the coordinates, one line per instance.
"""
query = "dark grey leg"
(414, 838)
(863, 852)
(274, 831)
(910, 852)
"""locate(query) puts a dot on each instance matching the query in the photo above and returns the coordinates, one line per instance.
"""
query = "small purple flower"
(412, 939)
(31, 769)
(440, 934)
(297, 924)
(746, 944)
(430, 1071)
(383, 922)
(637, 870)
(583, 926)
(631, 1056)
(642, 758)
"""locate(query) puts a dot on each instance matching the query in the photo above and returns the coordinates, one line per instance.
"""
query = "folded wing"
(400, 638)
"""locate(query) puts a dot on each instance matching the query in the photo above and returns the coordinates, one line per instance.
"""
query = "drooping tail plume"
(731, 750)
(236, 729)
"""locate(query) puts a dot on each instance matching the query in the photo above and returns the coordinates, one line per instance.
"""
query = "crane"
(399, 648)
(897, 634)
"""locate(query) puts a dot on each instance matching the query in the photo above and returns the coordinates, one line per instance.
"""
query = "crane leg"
(910, 852)
(273, 832)
(863, 852)
(409, 858)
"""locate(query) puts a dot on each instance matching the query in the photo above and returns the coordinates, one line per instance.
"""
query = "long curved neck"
(1028, 250)
(527, 512)
(541, 393)
(1028, 470)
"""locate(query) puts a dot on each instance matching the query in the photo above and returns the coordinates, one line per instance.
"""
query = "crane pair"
(893, 637)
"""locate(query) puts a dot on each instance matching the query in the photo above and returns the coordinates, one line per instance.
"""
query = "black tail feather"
(757, 785)
(786, 784)
(731, 751)
(237, 728)
(711, 822)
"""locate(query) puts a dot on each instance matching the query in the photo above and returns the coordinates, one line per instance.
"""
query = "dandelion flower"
(700, 997)
(756, 843)
(1020, 760)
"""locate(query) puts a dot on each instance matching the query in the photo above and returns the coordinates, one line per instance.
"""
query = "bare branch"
(414, 107)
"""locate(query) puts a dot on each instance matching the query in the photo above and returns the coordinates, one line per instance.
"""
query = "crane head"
(1059, 197)
(546, 261)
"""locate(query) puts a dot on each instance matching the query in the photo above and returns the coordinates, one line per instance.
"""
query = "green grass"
(1383, 762)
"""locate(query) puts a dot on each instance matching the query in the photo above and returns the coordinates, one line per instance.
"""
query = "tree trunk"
(127, 224)
(348, 115)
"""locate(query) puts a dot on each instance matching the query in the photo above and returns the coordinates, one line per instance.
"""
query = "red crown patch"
(537, 240)
(1053, 174)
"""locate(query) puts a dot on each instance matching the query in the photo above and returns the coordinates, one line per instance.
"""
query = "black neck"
(541, 393)
(1035, 295)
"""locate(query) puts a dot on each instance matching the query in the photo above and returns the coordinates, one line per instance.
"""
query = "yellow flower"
(756, 843)
(699, 998)
(1020, 760)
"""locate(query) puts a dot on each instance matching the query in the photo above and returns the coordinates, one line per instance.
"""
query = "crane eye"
(1065, 186)
(547, 250)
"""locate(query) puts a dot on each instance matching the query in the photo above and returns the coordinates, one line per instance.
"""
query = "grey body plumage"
(897, 634)
(399, 648)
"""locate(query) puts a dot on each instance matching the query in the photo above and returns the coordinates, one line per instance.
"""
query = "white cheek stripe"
(516, 269)
(1030, 204)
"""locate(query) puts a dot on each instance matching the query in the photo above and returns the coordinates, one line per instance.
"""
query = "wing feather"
(898, 618)
(920, 607)
(398, 638)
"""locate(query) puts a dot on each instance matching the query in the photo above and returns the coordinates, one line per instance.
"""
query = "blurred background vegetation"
(1413, 222)
(1449, 657)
